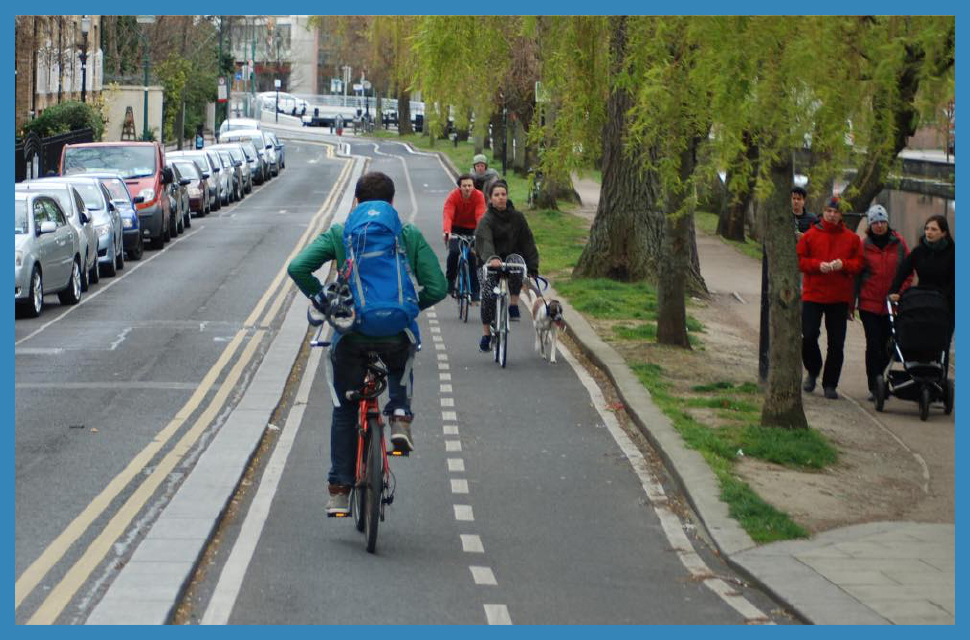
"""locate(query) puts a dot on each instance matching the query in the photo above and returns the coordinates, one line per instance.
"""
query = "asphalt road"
(105, 390)
(518, 506)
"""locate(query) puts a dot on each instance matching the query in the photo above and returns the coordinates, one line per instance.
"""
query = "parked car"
(196, 188)
(73, 207)
(265, 150)
(126, 206)
(280, 149)
(180, 200)
(47, 257)
(209, 171)
(239, 156)
(143, 166)
(225, 176)
(235, 173)
(237, 123)
(255, 162)
(107, 221)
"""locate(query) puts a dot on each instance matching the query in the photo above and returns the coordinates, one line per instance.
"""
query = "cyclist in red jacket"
(829, 256)
(463, 208)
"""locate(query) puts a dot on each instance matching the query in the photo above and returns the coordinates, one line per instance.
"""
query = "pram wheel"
(880, 392)
(948, 397)
(924, 403)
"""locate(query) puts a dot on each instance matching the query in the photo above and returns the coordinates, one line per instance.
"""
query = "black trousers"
(877, 331)
(836, 317)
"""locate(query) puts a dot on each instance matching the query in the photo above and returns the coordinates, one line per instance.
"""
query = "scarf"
(939, 245)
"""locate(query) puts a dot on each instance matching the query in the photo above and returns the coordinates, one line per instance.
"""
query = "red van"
(142, 164)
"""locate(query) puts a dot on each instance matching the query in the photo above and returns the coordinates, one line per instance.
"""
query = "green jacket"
(329, 245)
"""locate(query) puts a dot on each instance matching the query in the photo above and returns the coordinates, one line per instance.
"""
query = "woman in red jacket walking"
(829, 256)
(883, 250)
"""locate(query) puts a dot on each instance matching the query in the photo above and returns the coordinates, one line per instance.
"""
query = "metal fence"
(35, 157)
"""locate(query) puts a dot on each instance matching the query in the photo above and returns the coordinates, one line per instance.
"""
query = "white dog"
(548, 322)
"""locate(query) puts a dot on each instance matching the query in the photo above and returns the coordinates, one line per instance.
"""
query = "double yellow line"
(61, 595)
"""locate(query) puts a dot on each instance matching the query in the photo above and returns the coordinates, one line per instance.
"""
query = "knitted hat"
(833, 203)
(479, 158)
(877, 213)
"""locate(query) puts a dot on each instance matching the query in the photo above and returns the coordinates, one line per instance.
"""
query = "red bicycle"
(374, 484)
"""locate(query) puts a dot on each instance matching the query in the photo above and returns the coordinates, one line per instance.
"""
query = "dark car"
(121, 197)
(178, 191)
(196, 186)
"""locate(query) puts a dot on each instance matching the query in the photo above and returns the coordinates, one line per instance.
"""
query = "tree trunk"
(885, 145)
(626, 239)
(783, 397)
(730, 224)
(404, 113)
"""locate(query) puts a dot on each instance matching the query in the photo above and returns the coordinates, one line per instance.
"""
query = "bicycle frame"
(463, 289)
(500, 326)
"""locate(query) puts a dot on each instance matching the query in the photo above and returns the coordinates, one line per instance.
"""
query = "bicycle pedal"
(338, 515)
(400, 452)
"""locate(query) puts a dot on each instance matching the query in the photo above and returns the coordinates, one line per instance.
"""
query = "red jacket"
(462, 213)
(878, 269)
(825, 242)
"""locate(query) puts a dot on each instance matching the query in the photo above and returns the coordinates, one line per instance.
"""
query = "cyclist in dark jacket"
(503, 235)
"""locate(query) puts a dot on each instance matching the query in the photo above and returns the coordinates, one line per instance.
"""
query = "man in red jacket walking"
(463, 208)
(829, 256)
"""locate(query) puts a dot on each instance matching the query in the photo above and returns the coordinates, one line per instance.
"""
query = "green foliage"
(67, 116)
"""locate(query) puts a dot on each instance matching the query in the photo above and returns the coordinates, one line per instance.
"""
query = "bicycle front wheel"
(499, 316)
(464, 291)
(374, 484)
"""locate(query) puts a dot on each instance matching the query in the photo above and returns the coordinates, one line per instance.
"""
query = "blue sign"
(239, 75)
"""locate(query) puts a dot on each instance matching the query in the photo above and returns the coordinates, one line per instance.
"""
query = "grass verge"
(707, 222)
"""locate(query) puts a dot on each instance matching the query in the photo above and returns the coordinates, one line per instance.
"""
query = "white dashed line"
(435, 329)
(444, 366)
(439, 346)
(447, 402)
(456, 464)
(444, 376)
(436, 337)
(497, 614)
(442, 356)
(463, 512)
(471, 543)
(449, 415)
(450, 430)
(459, 485)
(446, 388)
(452, 446)
(483, 575)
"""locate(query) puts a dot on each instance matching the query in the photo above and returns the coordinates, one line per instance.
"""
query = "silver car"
(47, 257)
(239, 156)
(265, 150)
(73, 207)
(225, 176)
(107, 221)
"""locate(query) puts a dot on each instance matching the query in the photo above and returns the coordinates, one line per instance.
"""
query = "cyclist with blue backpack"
(375, 256)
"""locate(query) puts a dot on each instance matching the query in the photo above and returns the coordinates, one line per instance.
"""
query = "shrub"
(64, 117)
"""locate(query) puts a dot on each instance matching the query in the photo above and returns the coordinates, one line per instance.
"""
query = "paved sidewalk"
(877, 573)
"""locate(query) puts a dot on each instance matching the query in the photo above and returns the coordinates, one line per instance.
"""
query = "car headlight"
(147, 194)
(18, 258)
(103, 230)
(127, 223)
(194, 192)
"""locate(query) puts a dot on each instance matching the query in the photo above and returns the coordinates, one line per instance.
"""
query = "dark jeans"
(451, 265)
(491, 281)
(877, 344)
(836, 317)
(349, 365)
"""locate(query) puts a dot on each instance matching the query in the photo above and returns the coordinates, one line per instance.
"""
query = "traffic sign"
(277, 83)
(239, 75)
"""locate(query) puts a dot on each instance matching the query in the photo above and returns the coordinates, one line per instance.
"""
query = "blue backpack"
(378, 271)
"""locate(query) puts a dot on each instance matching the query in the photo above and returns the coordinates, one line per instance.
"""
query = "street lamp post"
(145, 20)
(85, 28)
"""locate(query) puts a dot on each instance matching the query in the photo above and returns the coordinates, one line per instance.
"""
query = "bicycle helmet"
(341, 301)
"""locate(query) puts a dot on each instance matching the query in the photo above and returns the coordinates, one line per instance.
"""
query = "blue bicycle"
(463, 283)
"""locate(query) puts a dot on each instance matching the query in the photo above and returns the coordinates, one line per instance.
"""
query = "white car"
(46, 254)
(72, 204)
(232, 124)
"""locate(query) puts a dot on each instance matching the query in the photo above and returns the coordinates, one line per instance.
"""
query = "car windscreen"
(237, 154)
(20, 216)
(91, 195)
(250, 151)
(226, 158)
(117, 189)
(130, 162)
(188, 170)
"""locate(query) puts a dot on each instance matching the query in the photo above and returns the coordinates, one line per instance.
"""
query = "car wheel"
(137, 251)
(188, 220)
(85, 276)
(120, 257)
(36, 301)
(94, 275)
(72, 295)
(167, 231)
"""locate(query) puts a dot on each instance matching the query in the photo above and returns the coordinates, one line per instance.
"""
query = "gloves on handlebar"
(320, 302)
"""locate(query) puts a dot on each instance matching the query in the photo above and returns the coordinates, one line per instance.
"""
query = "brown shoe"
(339, 503)
(401, 432)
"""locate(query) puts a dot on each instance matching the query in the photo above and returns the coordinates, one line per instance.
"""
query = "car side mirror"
(270, 146)
(206, 174)
(83, 217)
(185, 181)
(167, 176)
(47, 227)
(236, 163)
(138, 199)
(216, 169)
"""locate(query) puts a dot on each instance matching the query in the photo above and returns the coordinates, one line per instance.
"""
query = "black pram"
(920, 342)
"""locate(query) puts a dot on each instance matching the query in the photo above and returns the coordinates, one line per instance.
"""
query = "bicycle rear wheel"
(464, 291)
(503, 343)
(374, 484)
(358, 499)
(499, 316)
